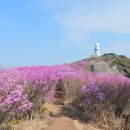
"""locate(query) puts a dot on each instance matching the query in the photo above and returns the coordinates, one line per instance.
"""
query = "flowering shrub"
(24, 89)
(93, 95)
(103, 90)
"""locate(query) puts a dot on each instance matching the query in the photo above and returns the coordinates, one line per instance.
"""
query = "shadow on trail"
(72, 112)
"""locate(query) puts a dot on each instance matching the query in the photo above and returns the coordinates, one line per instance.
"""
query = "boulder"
(98, 67)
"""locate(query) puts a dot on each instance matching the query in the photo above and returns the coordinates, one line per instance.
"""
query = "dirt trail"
(61, 122)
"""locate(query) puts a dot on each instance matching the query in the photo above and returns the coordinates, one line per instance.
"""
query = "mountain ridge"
(121, 62)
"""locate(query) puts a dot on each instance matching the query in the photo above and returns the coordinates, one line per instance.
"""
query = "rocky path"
(61, 122)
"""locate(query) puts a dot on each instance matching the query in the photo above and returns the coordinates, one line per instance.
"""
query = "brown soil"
(62, 122)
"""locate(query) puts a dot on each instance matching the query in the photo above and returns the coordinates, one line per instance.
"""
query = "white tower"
(97, 49)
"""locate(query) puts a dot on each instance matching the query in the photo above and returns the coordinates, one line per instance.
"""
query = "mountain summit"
(114, 62)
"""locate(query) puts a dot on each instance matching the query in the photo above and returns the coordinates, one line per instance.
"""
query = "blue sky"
(49, 32)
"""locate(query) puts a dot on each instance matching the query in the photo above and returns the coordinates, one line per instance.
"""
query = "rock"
(114, 69)
(98, 67)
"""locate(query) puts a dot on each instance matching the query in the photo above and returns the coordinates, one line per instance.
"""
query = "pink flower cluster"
(13, 84)
(107, 90)
(19, 87)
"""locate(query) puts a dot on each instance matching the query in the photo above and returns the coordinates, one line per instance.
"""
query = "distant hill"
(120, 61)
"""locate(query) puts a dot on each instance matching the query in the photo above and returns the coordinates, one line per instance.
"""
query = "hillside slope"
(120, 61)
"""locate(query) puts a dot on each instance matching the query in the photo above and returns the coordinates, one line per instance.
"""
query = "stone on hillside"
(98, 67)
(114, 69)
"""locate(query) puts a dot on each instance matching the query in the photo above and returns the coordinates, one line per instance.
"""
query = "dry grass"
(110, 121)
(33, 124)
(72, 89)
(40, 122)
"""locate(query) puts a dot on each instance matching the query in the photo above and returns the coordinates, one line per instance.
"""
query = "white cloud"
(81, 17)
(119, 48)
(112, 17)
(77, 37)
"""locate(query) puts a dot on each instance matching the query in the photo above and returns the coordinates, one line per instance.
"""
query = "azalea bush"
(24, 89)
(103, 91)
